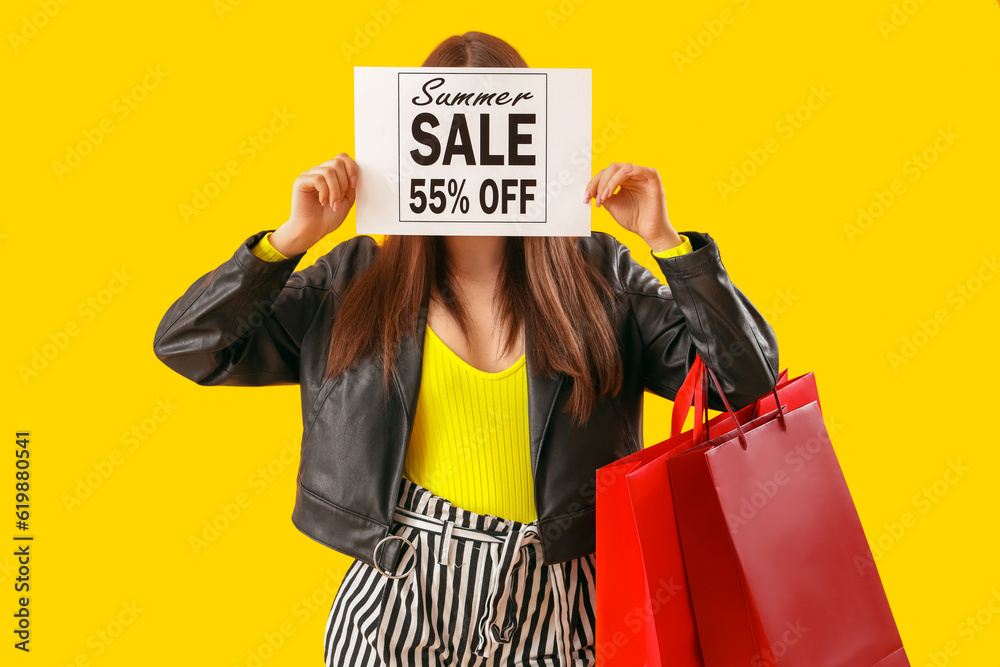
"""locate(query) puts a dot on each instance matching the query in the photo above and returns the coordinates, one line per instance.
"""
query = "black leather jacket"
(251, 322)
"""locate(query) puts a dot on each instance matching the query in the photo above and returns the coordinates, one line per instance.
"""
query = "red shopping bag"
(651, 501)
(624, 633)
(626, 617)
(644, 612)
(771, 543)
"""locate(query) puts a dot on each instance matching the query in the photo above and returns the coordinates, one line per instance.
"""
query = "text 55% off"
(506, 195)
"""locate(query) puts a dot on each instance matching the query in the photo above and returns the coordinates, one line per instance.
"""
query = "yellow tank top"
(470, 442)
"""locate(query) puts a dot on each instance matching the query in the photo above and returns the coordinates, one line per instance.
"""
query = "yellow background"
(840, 305)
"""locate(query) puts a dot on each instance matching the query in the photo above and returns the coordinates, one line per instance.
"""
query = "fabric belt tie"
(501, 611)
(497, 623)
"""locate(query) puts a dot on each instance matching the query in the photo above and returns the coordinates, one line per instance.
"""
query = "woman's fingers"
(339, 175)
(345, 166)
(591, 190)
(617, 179)
(317, 183)
(350, 168)
(602, 185)
(329, 179)
(598, 187)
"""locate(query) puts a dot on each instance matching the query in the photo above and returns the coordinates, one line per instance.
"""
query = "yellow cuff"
(266, 251)
(676, 250)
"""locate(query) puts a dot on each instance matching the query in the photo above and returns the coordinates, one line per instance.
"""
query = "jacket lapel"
(542, 393)
(542, 390)
(409, 368)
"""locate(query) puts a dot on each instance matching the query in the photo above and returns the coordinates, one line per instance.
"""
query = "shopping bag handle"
(694, 388)
(682, 402)
(729, 409)
(782, 378)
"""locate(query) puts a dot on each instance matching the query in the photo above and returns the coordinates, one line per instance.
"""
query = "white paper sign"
(472, 151)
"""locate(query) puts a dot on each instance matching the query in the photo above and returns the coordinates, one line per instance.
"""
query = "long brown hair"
(543, 279)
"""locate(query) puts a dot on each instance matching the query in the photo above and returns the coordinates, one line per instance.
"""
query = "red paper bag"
(644, 612)
(625, 635)
(771, 540)
(671, 613)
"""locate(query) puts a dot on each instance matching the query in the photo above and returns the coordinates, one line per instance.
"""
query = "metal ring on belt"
(375, 557)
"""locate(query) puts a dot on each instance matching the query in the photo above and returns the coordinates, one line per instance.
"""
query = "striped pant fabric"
(476, 591)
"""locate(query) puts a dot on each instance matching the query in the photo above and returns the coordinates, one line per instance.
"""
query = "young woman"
(458, 395)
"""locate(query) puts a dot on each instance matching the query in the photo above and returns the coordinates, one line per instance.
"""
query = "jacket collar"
(542, 390)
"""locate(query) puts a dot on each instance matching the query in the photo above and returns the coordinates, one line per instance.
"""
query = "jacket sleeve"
(242, 323)
(699, 311)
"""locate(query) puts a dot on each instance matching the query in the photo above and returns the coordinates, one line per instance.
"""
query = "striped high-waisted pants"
(475, 592)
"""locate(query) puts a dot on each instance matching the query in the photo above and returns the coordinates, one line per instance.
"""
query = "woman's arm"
(243, 322)
(699, 312)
